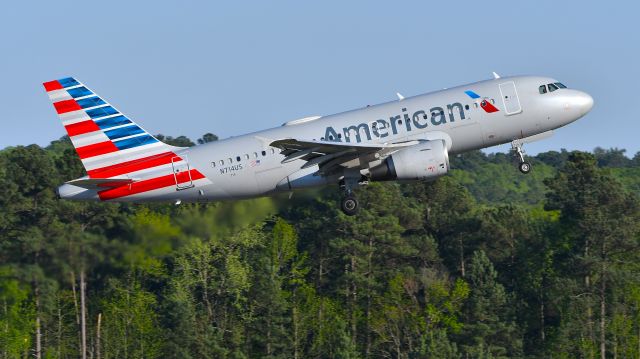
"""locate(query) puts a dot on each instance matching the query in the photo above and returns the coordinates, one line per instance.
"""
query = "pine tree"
(489, 328)
(599, 226)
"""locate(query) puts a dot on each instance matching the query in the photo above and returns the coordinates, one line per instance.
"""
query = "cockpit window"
(560, 85)
(543, 89)
(552, 87)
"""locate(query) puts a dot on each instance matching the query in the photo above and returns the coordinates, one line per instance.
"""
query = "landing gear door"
(510, 98)
(181, 172)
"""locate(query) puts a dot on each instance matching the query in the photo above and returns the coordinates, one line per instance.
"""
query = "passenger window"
(542, 89)
(264, 153)
(552, 87)
(255, 154)
(273, 151)
(238, 158)
(230, 160)
(213, 164)
(560, 85)
(221, 162)
(246, 157)
(466, 107)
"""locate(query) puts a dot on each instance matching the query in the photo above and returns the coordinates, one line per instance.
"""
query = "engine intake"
(425, 161)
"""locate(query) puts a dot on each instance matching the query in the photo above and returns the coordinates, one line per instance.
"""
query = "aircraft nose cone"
(584, 102)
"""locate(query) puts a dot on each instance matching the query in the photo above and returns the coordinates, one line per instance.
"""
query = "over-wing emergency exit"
(407, 139)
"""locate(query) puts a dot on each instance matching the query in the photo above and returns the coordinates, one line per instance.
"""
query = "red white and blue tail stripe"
(112, 146)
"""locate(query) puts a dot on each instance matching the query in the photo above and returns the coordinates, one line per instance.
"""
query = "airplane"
(406, 139)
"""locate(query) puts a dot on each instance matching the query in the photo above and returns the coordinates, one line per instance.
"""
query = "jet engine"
(425, 161)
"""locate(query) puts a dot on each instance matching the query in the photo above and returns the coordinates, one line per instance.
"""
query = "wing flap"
(323, 146)
(328, 154)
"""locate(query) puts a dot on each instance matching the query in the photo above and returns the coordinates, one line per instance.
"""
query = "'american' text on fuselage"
(380, 128)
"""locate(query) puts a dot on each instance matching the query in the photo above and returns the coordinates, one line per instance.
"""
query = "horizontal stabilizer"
(100, 183)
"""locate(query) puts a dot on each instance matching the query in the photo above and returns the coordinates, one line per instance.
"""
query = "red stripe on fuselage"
(52, 85)
(149, 185)
(66, 106)
(96, 149)
(80, 128)
(133, 165)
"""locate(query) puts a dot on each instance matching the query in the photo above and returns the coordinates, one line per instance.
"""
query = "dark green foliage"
(483, 263)
(180, 141)
(613, 157)
(207, 137)
(490, 331)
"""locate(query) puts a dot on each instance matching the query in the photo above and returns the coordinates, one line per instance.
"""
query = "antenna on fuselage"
(400, 97)
(495, 75)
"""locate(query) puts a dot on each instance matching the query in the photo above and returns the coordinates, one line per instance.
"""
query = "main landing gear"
(349, 204)
(523, 165)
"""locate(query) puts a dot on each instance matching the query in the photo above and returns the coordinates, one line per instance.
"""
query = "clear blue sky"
(191, 67)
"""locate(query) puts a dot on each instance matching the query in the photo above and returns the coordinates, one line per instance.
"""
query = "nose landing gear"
(523, 165)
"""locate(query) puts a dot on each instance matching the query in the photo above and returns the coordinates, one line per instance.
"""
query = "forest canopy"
(482, 263)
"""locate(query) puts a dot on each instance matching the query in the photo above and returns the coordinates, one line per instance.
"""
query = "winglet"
(400, 97)
(495, 75)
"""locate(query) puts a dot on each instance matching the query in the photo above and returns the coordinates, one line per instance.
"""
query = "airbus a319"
(406, 139)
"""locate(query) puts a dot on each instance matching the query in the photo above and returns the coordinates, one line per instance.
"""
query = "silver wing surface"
(334, 156)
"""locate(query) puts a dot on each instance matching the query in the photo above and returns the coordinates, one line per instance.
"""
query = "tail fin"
(108, 143)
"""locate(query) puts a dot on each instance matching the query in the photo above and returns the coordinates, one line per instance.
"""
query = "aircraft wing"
(327, 154)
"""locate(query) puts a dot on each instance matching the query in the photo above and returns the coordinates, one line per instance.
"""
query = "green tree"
(17, 314)
(598, 220)
(207, 137)
(180, 141)
(489, 329)
(130, 322)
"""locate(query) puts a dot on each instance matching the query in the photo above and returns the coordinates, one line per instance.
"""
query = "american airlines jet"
(406, 139)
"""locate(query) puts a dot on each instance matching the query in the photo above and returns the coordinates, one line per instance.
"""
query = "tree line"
(482, 263)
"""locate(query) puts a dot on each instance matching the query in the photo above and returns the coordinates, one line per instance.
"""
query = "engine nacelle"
(425, 161)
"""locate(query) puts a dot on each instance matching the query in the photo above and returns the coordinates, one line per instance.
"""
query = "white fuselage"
(246, 166)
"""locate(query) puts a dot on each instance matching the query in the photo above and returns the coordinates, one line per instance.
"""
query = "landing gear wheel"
(349, 205)
(524, 167)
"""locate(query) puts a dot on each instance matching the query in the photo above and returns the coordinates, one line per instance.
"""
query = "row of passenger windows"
(552, 87)
(245, 157)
